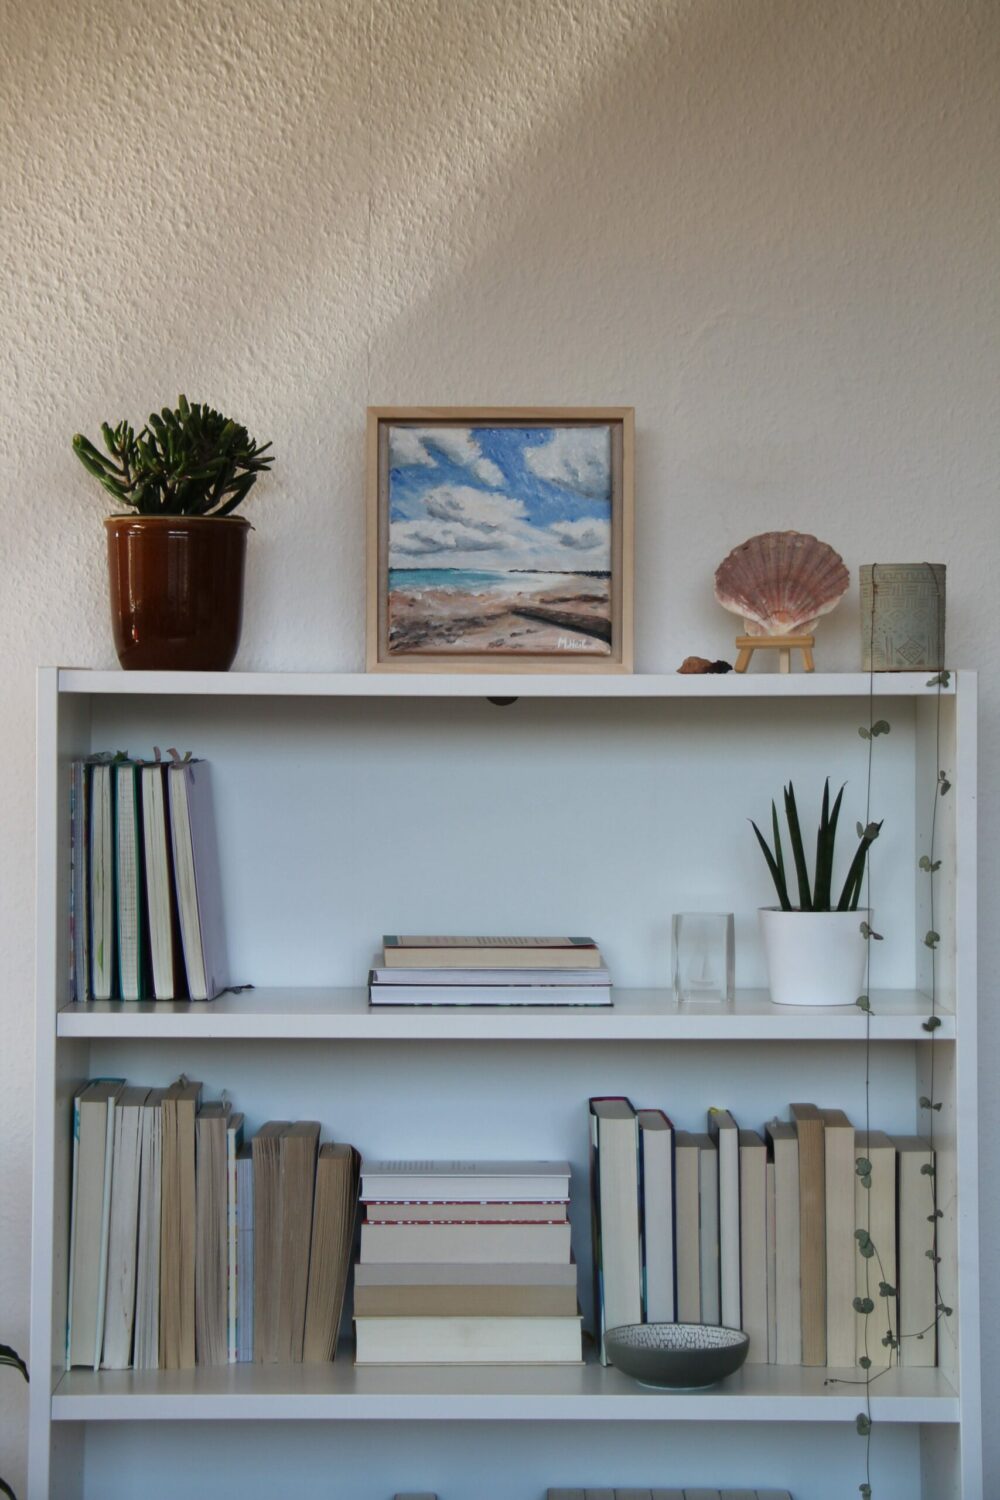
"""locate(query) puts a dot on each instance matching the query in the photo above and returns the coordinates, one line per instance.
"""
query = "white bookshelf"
(352, 804)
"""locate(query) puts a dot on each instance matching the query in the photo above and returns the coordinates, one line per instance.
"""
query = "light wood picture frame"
(500, 539)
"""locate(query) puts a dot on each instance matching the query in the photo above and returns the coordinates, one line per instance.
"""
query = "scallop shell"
(781, 582)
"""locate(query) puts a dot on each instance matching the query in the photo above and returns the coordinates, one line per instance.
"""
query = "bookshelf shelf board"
(757, 1393)
(637, 1015)
(740, 687)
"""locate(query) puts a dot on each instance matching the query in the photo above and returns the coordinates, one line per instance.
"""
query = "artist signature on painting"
(567, 643)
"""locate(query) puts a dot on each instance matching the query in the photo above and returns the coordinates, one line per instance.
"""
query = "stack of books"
(698, 1493)
(489, 971)
(188, 1246)
(145, 893)
(756, 1230)
(466, 1263)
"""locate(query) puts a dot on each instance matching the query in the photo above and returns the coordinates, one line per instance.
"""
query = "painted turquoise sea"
(469, 580)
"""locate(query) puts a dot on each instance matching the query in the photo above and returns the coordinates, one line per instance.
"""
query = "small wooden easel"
(783, 644)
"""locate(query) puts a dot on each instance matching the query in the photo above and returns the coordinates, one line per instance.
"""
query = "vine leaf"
(931, 938)
(863, 1003)
(945, 784)
(886, 1289)
(865, 1362)
(863, 1424)
(865, 1491)
(926, 863)
(941, 680)
(866, 1245)
(925, 1103)
(927, 1170)
(931, 1024)
(869, 932)
(863, 1305)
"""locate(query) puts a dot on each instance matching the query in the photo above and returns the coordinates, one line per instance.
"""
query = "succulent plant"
(820, 896)
(189, 462)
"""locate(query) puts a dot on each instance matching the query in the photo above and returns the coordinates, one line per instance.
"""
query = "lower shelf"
(574, 1393)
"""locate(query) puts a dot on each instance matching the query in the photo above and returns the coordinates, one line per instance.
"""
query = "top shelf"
(497, 684)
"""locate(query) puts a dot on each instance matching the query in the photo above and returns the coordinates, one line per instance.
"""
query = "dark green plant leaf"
(865, 1362)
(862, 1167)
(863, 1003)
(798, 851)
(937, 1214)
(863, 1424)
(931, 1024)
(927, 1170)
(882, 726)
(925, 863)
(929, 1255)
(869, 932)
(931, 939)
(863, 1305)
(886, 1289)
(941, 680)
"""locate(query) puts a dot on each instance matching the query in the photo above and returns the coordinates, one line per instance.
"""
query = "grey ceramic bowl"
(676, 1356)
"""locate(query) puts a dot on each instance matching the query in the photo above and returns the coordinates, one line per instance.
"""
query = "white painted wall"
(770, 226)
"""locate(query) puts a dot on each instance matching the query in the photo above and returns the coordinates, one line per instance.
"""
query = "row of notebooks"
(145, 893)
(757, 1230)
(190, 1246)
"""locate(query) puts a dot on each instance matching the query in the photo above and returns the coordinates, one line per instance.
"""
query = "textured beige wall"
(771, 225)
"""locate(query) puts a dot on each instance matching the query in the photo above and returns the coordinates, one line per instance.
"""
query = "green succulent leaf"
(865, 1362)
(886, 1289)
(191, 461)
(931, 938)
(863, 1003)
(942, 679)
(863, 1424)
(863, 1305)
(931, 1024)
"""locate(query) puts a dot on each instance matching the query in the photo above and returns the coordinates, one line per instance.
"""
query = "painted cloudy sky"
(493, 498)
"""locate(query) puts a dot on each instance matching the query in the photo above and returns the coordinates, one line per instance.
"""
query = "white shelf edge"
(495, 684)
(638, 1015)
(757, 1393)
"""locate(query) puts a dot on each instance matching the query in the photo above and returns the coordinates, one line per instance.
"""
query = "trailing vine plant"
(864, 1306)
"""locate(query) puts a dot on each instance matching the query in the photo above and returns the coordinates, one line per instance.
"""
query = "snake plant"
(818, 896)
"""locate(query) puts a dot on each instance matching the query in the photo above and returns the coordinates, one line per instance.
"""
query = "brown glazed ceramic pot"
(176, 590)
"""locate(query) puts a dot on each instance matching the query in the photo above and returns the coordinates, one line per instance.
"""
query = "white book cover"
(492, 995)
(119, 1312)
(753, 1243)
(708, 1228)
(147, 1289)
(244, 1255)
(614, 1188)
(464, 1181)
(725, 1132)
(197, 877)
(102, 1281)
(656, 1162)
(128, 881)
(468, 1341)
(466, 1244)
(102, 883)
(784, 1146)
(772, 1284)
(159, 892)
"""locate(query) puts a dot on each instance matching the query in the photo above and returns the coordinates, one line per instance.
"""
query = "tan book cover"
(177, 1226)
(490, 953)
(465, 1301)
(772, 1268)
(211, 1214)
(335, 1206)
(812, 1221)
(841, 1246)
(266, 1152)
(875, 1210)
(297, 1169)
(784, 1150)
(753, 1243)
(916, 1318)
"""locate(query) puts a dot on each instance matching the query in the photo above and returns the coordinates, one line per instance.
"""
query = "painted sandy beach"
(499, 540)
(445, 610)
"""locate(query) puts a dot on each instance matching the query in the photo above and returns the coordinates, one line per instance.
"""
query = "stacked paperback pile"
(466, 1263)
(145, 895)
(188, 1246)
(489, 971)
(757, 1231)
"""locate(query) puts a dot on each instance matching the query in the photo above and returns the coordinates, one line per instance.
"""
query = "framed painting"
(500, 539)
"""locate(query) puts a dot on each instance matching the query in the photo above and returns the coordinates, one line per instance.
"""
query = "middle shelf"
(639, 1015)
(500, 1393)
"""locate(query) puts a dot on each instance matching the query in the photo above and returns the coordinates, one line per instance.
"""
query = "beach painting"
(498, 538)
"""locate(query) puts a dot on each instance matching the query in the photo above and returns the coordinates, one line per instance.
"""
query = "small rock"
(692, 665)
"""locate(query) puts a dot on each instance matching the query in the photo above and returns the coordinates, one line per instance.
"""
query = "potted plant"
(815, 951)
(176, 557)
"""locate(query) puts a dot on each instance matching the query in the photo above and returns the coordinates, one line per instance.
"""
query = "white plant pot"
(814, 957)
